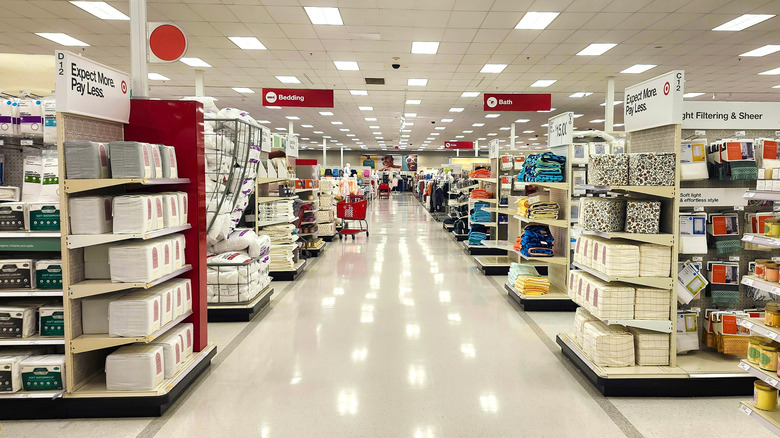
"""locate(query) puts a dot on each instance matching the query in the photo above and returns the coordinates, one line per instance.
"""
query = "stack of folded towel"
(546, 167)
(479, 214)
(536, 241)
(275, 211)
(529, 285)
(479, 173)
(280, 234)
(480, 194)
(519, 269)
(543, 210)
(477, 234)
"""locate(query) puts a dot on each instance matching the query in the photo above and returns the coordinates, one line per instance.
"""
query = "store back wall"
(424, 159)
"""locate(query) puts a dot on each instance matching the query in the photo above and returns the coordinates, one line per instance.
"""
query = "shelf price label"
(750, 195)
(771, 381)
(747, 281)
(26, 142)
(748, 238)
(560, 129)
(744, 366)
(745, 410)
(747, 324)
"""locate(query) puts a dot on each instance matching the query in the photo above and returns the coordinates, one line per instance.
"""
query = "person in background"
(388, 163)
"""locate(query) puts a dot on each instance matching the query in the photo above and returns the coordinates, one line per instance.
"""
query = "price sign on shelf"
(771, 381)
(744, 366)
(560, 129)
(740, 133)
(749, 194)
(745, 410)
(746, 324)
(26, 142)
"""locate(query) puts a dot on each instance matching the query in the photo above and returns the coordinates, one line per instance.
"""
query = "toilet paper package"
(134, 214)
(30, 117)
(135, 367)
(48, 274)
(51, 321)
(87, 160)
(136, 262)
(170, 167)
(131, 159)
(43, 216)
(17, 321)
(96, 262)
(12, 216)
(171, 217)
(43, 373)
(9, 116)
(16, 274)
(134, 314)
(173, 351)
(94, 313)
(91, 215)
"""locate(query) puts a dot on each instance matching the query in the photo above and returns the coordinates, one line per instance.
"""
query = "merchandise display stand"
(698, 373)
(85, 395)
(491, 256)
(229, 312)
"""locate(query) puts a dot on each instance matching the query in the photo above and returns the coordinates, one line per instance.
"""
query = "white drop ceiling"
(673, 34)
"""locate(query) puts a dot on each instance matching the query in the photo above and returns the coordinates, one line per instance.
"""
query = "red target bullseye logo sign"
(124, 87)
(167, 42)
(667, 89)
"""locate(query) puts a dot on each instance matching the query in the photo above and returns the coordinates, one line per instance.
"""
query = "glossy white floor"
(399, 335)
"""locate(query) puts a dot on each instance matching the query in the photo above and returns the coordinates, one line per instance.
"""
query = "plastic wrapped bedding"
(137, 261)
(600, 214)
(131, 159)
(650, 348)
(651, 169)
(137, 367)
(178, 247)
(608, 170)
(615, 258)
(91, 215)
(581, 316)
(135, 314)
(643, 217)
(170, 202)
(282, 257)
(652, 304)
(608, 346)
(280, 234)
(170, 166)
(244, 239)
(173, 349)
(220, 229)
(182, 294)
(608, 300)
(86, 160)
(230, 284)
(134, 214)
(654, 260)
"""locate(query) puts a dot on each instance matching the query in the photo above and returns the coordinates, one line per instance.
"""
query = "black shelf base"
(662, 387)
(228, 314)
(100, 407)
(493, 270)
(460, 237)
(483, 250)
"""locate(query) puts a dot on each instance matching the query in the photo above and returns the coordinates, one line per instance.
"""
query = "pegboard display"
(741, 300)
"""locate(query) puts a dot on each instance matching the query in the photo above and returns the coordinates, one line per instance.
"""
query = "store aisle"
(399, 335)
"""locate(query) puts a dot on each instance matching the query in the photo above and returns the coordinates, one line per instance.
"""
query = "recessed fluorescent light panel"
(456, 110)
(413, 101)
(581, 94)
(596, 49)
(762, 51)
(638, 68)
(536, 20)
(597, 121)
(249, 91)
(370, 119)
(290, 117)
(358, 92)
(417, 82)
(478, 124)
(346, 65)
(288, 79)
(743, 22)
(158, 77)
(101, 10)
(410, 115)
(522, 120)
(493, 68)
(247, 43)
(425, 47)
(774, 71)
(470, 94)
(546, 111)
(64, 39)
(542, 83)
(366, 108)
(326, 113)
(318, 15)
(447, 120)
(617, 102)
(492, 116)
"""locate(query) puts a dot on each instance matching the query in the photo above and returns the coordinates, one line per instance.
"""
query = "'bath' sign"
(91, 89)
(655, 102)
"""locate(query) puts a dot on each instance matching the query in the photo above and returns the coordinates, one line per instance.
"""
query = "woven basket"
(734, 345)
(709, 340)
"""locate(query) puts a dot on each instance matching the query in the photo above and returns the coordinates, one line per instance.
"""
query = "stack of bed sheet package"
(135, 262)
(619, 258)
(276, 212)
(619, 301)
(119, 159)
(239, 270)
(284, 245)
(128, 214)
(326, 217)
(144, 367)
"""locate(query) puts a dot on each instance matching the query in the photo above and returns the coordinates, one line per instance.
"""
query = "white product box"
(183, 206)
(11, 373)
(87, 160)
(91, 215)
(761, 184)
(158, 218)
(187, 333)
(17, 321)
(170, 164)
(9, 194)
(135, 368)
(775, 185)
(43, 373)
(171, 210)
(156, 160)
(136, 262)
(178, 244)
(96, 262)
(177, 293)
(17, 274)
(166, 251)
(167, 302)
(33, 171)
(135, 314)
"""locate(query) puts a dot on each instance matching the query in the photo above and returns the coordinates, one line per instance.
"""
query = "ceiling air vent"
(375, 81)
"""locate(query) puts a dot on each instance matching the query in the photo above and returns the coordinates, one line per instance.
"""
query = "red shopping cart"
(349, 213)
(384, 191)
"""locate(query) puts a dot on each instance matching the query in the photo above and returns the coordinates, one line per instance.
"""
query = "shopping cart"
(384, 191)
(352, 212)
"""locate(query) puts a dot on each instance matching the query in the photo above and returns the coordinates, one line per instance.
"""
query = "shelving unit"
(229, 312)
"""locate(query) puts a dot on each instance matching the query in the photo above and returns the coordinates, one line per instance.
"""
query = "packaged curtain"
(602, 214)
(608, 170)
(651, 348)
(608, 346)
(643, 217)
(652, 169)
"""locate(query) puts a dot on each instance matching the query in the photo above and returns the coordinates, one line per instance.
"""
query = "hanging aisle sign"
(458, 145)
(731, 115)
(560, 129)
(292, 146)
(300, 98)
(517, 102)
(493, 148)
(91, 89)
(655, 102)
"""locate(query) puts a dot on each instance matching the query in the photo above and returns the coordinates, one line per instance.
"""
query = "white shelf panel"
(28, 234)
(88, 288)
(756, 325)
(10, 293)
(765, 196)
(768, 419)
(656, 282)
(82, 240)
(761, 284)
(658, 239)
(500, 244)
(86, 343)
(660, 191)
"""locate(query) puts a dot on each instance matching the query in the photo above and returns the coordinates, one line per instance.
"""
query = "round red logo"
(168, 42)
(124, 87)
(667, 89)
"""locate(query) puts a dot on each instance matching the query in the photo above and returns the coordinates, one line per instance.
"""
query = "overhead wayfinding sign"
(300, 98)
(560, 129)
(91, 89)
(517, 102)
(458, 145)
(655, 102)
(731, 115)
